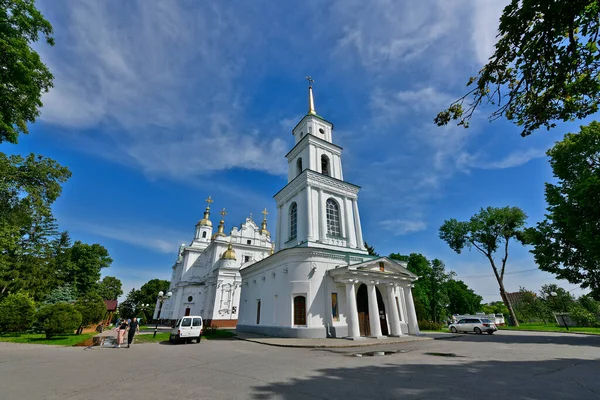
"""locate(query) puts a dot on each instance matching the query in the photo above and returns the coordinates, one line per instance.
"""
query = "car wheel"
(490, 332)
(453, 330)
(199, 339)
(477, 331)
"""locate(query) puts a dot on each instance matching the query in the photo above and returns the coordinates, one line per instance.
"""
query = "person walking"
(134, 327)
(121, 329)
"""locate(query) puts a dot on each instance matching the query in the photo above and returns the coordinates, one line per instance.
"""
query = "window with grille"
(333, 218)
(299, 310)
(293, 221)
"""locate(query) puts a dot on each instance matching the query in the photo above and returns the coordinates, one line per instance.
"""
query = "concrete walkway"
(338, 343)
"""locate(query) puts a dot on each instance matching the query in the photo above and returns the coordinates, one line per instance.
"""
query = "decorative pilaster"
(373, 311)
(309, 232)
(357, 227)
(352, 311)
(322, 221)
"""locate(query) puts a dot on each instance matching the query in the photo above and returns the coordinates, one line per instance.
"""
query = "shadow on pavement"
(531, 338)
(523, 380)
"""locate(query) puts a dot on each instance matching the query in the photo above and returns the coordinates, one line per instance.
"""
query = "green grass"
(550, 328)
(164, 336)
(40, 338)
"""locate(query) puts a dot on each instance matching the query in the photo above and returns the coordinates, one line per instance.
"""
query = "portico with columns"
(321, 281)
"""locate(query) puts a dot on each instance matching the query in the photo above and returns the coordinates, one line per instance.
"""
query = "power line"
(506, 273)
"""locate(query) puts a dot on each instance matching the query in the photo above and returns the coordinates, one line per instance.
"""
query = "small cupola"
(229, 254)
(263, 226)
(221, 228)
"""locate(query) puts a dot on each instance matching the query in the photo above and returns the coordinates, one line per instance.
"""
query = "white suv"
(187, 329)
(477, 325)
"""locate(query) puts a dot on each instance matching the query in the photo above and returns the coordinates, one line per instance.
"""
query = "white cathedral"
(319, 281)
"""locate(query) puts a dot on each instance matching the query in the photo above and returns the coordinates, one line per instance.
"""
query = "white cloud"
(400, 227)
(485, 19)
(512, 160)
(159, 240)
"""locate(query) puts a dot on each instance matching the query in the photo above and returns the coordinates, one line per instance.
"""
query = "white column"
(278, 232)
(393, 312)
(357, 227)
(350, 226)
(309, 214)
(345, 217)
(322, 222)
(285, 230)
(401, 306)
(373, 311)
(413, 325)
(352, 311)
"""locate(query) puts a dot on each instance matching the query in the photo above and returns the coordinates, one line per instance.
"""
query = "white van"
(187, 329)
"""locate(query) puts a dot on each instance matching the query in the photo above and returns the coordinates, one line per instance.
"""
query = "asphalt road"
(511, 365)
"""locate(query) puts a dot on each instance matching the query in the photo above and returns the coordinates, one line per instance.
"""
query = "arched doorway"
(362, 304)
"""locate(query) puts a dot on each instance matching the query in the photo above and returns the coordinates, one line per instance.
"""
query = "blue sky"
(158, 104)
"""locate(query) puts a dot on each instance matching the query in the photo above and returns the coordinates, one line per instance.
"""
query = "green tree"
(127, 308)
(371, 250)
(590, 304)
(495, 307)
(148, 294)
(59, 318)
(558, 299)
(462, 299)
(110, 288)
(565, 243)
(531, 308)
(24, 76)
(62, 294)
(28, 187)
(84, 266)
(486, 231)
(17, 311)
(546, 66)
(92, 309)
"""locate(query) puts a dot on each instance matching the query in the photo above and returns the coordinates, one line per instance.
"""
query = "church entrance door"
(187, 311)
(382, 317)
(362, 304)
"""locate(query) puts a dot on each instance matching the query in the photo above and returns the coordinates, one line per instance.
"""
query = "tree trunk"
(511, 311)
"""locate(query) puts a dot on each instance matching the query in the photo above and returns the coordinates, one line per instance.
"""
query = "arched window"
(333, 218)
(299, 166)
(325, 165)
(299, 310)
(204, 235)
(293, 221)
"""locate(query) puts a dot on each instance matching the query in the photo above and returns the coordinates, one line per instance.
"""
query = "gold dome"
(220, 230)
(263, 226)
(229, 253)
(205, 221)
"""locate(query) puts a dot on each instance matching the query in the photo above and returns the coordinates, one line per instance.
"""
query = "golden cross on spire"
(310, 80)
(223, 213)
(208, 201)
(264, 212)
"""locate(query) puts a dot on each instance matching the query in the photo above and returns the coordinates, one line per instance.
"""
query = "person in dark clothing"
(134, 327)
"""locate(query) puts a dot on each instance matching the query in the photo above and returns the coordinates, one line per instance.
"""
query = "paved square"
(512, 365)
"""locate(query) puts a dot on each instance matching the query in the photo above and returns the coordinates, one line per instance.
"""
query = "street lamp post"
(161, 297)
(562, 316)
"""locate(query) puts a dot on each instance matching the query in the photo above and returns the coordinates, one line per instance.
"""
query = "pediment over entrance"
(382, 268)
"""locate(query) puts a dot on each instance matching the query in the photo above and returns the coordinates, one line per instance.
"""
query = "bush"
(17, 311)
(582, 316)
(58, 318)
(92, 309)
(430, 326)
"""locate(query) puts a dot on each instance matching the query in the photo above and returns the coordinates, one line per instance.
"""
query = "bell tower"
(317, 208)
(204, 227)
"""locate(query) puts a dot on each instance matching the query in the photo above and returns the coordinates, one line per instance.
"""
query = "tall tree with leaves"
(371, 250)
(110, 288)
(488, 231)
(461, 298)
(24, 76)
(566, 241)
(546, 66)
(84, 266)
(28, 187)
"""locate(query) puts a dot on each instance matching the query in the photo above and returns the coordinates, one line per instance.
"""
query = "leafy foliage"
(495, 307)
(371, 250)
(110, 288)
(24, 76)
(429, 325)
(17, 311)
(545, 67)
(83, 265)
(28, 187)
(92, 309)
(486, 231)
(62, 294)
(55, 319)
(566, 241)
(462, 299)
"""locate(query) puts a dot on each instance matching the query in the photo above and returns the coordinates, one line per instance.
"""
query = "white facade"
(321, 282)
(206, 278)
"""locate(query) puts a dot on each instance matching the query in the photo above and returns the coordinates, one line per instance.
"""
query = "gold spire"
(205, 221)
(221, 229)
(263, 227)
(311, 101)
(229, 253)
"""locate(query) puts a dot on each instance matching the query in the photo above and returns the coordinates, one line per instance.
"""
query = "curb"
(325, 346)
(561, 332)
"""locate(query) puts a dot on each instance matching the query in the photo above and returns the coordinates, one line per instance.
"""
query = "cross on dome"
(208, 201)
(223, 213)
(264, 212)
